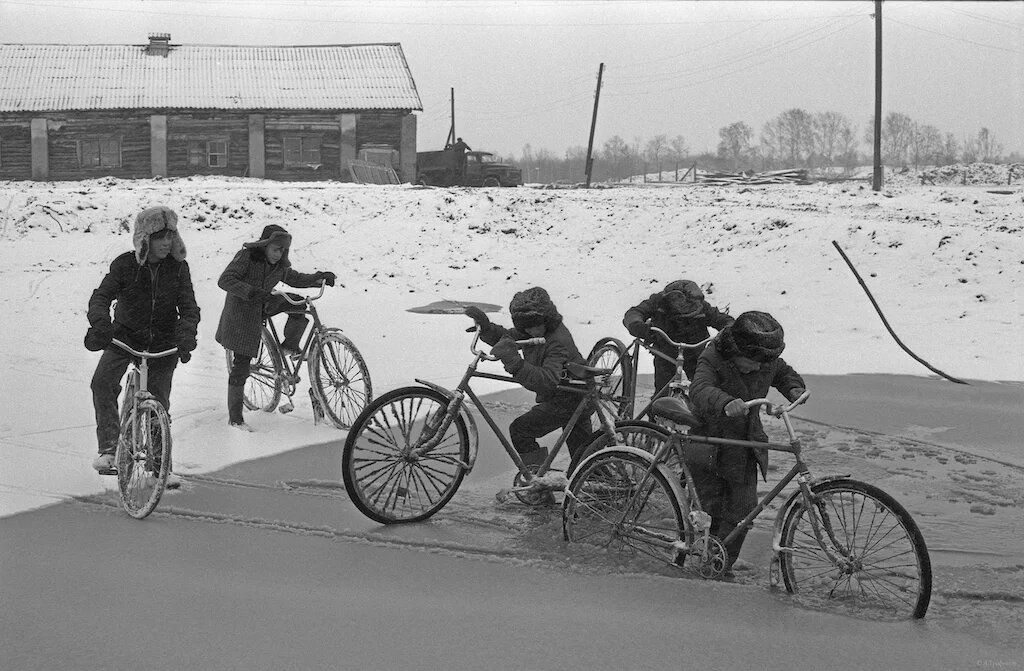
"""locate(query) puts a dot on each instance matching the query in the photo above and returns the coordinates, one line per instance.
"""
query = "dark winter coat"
(246, 280)
(664, 315)
(156, 305)
(541, 367)
(718, 381)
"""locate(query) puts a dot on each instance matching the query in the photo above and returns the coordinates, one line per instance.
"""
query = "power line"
(953, 37)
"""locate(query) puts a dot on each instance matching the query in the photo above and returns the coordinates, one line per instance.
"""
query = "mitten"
(97, 339)
(477, 315)
(506, 350)
(639, 330)
(328, 277)
(184, 355)
(796, 393)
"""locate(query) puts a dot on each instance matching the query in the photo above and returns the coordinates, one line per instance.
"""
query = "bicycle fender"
(474, 433)
(673, 480)
(780, 517)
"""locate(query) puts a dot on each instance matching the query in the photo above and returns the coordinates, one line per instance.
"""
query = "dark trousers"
(664, 371)
(294, 327)
(542, 419)
(106, 386)
(239, 373)
(727, 501)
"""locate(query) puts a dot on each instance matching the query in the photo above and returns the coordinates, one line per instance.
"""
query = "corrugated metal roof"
(50, 77)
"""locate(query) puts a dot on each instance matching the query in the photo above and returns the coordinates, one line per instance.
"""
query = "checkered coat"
(244, 280)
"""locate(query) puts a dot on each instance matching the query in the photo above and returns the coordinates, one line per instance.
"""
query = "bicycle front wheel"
(648, 436)
(143, 457)
(882, 563)
(385, 479)
(339, 378)
(613, 504)
(619, 388)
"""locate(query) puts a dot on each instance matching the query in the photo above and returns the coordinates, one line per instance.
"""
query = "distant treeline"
(794, 139)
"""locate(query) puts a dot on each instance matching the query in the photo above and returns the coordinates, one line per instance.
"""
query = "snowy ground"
(945, 264)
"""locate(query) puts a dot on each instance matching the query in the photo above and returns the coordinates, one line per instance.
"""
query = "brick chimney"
(159, 44)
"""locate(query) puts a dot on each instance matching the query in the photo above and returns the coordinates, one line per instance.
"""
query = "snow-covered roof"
(50, 77)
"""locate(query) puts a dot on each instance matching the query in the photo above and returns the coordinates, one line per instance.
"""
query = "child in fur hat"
(680, 311)
(539, 369)
(248, 281)
(156, 310)
(741, 364)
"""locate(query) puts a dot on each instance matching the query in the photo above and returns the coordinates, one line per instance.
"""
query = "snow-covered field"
(945, 263)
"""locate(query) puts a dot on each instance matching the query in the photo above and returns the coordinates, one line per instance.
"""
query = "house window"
(302, 151)
(208, 153)
(99, 153)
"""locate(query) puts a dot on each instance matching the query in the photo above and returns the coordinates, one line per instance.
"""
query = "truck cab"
(472, 168)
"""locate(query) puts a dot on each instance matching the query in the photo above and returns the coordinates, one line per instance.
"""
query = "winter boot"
(236, 394)
(293, 330)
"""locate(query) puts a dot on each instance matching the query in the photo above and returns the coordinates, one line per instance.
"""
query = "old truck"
(472, 168)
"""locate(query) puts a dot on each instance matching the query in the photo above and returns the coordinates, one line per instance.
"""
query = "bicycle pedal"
(108, 471)
(286, 408)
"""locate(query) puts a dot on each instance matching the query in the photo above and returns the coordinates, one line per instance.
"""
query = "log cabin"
(72, 112)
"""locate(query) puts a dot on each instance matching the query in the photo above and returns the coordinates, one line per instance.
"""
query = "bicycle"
(836, 540)
(339, 379)
(143, 456)
(409, 450)
(620, 392)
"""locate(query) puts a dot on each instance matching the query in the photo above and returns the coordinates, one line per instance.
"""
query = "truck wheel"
(492, 181)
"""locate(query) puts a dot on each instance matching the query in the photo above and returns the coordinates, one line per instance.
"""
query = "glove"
(328, 277)
(477, 315)
(260, 295)
(796, 393)
(185, 347)
(184, 355)
(506, 350)
(639, 330)
(97, 339)
(735, 408)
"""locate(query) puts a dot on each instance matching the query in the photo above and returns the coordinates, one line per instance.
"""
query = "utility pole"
(451, 131)
(593, 123)
(876, 180)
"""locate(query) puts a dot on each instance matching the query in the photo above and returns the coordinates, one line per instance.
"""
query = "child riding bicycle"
(680, 311)
(538, 369)
(739, 365)
(248, 281)
(156, 310)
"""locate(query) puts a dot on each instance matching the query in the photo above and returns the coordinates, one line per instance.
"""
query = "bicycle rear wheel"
(263, 386)
(619, 388)
(610, 504)
(883, 561)
(339, 378)
(385, 481)
(143, 457)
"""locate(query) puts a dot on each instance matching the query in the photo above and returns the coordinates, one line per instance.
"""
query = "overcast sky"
(525, 72)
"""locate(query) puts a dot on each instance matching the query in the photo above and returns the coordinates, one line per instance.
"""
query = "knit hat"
(153, 220)
(755, 335)
(533, 307)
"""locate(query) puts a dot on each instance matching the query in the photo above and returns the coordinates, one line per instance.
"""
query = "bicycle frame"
(678, 381)
(434, 434)
(305, 307)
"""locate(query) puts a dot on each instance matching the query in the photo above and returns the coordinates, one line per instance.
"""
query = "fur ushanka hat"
(272, 233)
(153, 220)
(755, 335)
(533, 307)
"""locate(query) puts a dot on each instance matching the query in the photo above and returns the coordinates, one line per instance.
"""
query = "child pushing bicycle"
(539, 368)
(741, 364)
(249, 280)
(680, 311)
(156, 310)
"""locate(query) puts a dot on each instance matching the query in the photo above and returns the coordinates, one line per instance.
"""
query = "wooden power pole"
(876, 180)
(593, 123)
(451, 129)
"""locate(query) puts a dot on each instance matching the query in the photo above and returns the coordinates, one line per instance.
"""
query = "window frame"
(199, 152)
(304, 151)
(83, 145)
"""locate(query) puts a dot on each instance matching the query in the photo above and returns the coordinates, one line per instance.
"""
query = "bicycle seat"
(674, 410)
(580, 371)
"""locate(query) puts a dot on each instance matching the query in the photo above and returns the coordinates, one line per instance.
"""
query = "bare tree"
(925, 144)
(830, 129)
(950, 150)
(790, 136)
(616, 152)
(897, 131)
(654, 150)
(989, 150)
(735, 142)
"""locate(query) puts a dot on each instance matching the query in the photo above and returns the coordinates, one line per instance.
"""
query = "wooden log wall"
(66, 130)
(307, 124)
(183, 128)
(15, 148)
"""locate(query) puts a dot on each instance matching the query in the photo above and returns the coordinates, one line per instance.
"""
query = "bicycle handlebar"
(304, 299)
(778, 410)
(681, 345)
(144, 355)
(529, 342)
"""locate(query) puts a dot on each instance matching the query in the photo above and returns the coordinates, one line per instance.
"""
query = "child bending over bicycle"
(739, 365)
(156, 310)
(248, 281)
(539, 369)
(680, 311)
